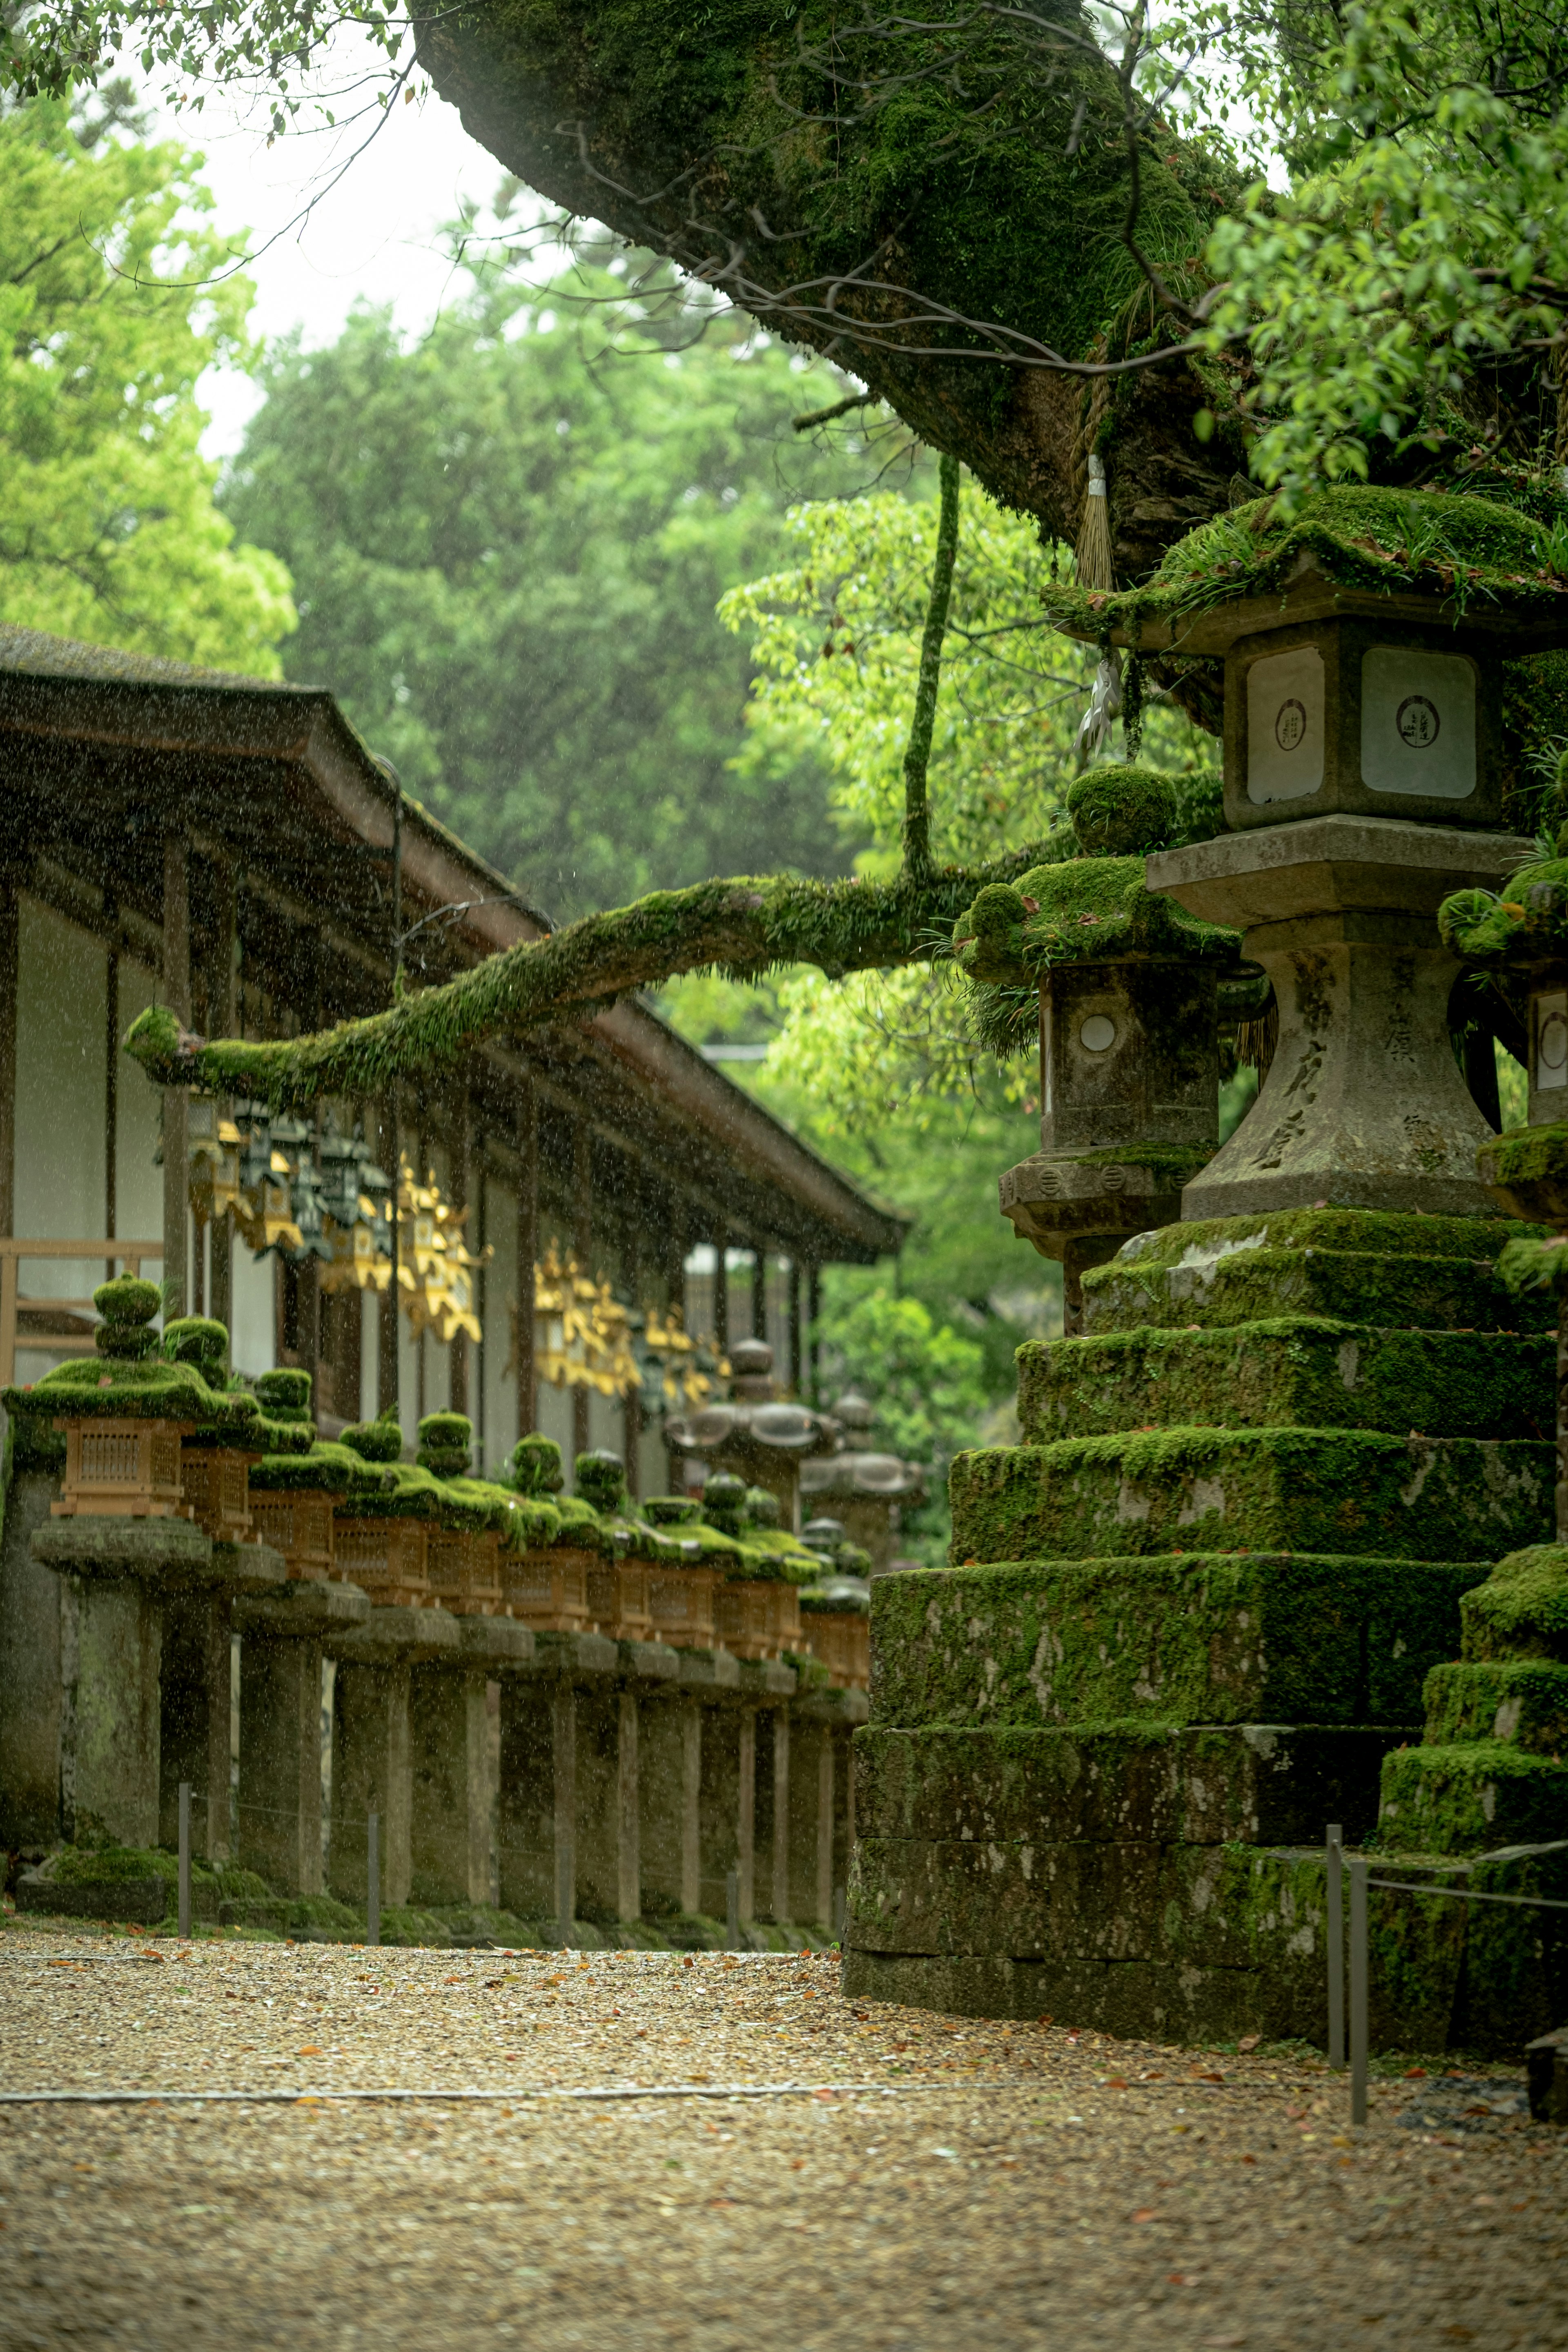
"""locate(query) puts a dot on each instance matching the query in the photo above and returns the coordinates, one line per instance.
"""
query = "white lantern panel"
(1097, 1033)
(1285, 725)
(1417, 723)
(1551, 1043)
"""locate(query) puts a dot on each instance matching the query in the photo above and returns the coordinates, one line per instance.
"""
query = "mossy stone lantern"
(1124, 988)
(1362, 638)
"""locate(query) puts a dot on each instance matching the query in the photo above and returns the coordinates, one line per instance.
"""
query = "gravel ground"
(970, 2184)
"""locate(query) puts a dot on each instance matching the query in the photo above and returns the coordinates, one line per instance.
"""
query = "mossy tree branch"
(917, 758)
(745, 928)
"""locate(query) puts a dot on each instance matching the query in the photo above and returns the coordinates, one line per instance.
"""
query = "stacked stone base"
(1191, 1623)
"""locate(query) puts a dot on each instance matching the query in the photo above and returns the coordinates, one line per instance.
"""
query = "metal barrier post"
(185, 1857)
(732, 1909)
(1334, 1920)
(1358, 1989)
(372, 1882)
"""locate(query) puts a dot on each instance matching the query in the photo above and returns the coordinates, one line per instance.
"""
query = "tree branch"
(917, 808)
(744, 927)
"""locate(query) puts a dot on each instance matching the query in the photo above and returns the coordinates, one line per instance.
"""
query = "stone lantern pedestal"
(1365, 1106)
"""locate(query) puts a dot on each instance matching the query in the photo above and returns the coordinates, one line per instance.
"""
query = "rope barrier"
(592, 2094)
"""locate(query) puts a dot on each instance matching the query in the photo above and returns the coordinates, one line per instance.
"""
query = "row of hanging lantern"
(322, 1199)
(584, 1337)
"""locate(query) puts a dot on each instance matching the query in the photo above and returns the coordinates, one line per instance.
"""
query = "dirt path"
(976, 2187)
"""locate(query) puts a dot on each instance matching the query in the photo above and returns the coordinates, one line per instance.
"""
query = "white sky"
(375, 233)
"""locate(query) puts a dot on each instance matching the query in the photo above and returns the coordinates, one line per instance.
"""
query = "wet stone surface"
(947, 2182)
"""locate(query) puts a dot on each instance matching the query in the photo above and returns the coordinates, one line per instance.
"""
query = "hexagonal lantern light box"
(1126, 987)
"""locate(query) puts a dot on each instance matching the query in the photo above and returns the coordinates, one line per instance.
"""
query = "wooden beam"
(10, 974)
(220, 1002)
(582, 1242)
(527, 1252)
(176, 995)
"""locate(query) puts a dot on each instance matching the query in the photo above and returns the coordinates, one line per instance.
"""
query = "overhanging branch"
(744, 927)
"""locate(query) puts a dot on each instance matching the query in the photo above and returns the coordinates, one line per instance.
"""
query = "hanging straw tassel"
(1093, 556)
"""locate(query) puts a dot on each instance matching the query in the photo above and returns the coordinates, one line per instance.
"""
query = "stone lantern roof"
(1381, 554)
(879, 1477)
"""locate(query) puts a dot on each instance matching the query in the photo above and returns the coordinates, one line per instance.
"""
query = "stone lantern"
(1362, 644)
(1128, 995)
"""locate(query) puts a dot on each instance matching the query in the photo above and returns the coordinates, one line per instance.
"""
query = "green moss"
(127, 1300)
(1527, 1169)
(93, 1387)
(1089, 911)
(745, 928)
(1208, 1637)
(1262, 1490)
(534, 1466)
(375, 1441)
(1466, 1798)
(445, 1444)
(284, 1392)
(1289, 1370)
(1468, 551)
(1521, 1702)
(198, 1340)
(1522, 1611)
(325, 1469)
(601, 1480)
(1354, 1265)
(1122, 812)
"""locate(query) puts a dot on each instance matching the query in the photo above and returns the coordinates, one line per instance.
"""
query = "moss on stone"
(1464, 549)
(1522, 1610)
(1208, 1637)
(1475, 1795)
(1302, 1370)
(1087, 910)
(1265, 1490)
(1522, 1702)
(1362, 1267)
(324, 1469)
(1122, 811)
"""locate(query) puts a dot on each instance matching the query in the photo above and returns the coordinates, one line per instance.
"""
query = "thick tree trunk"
(937, 186)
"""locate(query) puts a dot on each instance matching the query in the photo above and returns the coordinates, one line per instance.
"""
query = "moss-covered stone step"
(1444, 1974)
(1470, 1797)
(1207, 1637)
(1355, 1266)
(1522, 1702)
(1254, 1490)
(1299, 1371)
(1522, 1610)
(1136, 1784)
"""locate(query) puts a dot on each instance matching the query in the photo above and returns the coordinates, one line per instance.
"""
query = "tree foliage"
(113, 301)
(509, 536)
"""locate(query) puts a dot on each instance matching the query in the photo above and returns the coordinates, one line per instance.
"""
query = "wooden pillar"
(221, 1020)
(628, 1842)
(582, 1242)
(813, 1345)
(461, 1146)
(527, 1252)
(10, 975)
(793, 1366)
(563, 1747)
(177, 997)
(387, 1310)
(720, 1296)
(632, 1406)
(691, 1807)
(781, 1902)
(110, 1081)
(746, 1813)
